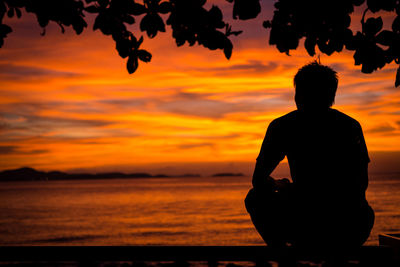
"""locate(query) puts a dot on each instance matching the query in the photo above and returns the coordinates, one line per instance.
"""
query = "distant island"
(223, 174)
(30, 174)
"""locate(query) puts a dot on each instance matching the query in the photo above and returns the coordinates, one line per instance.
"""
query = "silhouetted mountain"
(222, 174)
(30, 174)
(161, 176)
(189, 175)
(22, 174)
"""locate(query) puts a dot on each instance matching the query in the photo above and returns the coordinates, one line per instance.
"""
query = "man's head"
(315, 86)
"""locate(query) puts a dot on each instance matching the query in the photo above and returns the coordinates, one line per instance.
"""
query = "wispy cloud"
(8, 150)
(11, 71)
(67, 102)
(383, 128)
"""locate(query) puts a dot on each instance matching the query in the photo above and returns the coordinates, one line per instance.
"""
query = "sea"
(152, 211)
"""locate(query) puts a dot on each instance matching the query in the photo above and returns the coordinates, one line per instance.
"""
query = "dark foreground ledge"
(187, 253)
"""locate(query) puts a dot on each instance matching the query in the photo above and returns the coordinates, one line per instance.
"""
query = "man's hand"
(282, 184)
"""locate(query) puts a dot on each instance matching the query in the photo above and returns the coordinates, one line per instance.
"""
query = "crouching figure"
(325, 205)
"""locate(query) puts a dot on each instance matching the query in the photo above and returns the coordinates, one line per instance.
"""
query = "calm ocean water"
(165, 211)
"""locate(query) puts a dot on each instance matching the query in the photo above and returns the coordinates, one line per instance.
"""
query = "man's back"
(328, 161)
(325, 151)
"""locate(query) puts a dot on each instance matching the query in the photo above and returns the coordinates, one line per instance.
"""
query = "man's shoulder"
(284, 120)
(287, 117)
(334, 116)
(344, 118)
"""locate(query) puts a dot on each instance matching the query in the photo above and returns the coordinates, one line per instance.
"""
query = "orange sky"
(68, 103)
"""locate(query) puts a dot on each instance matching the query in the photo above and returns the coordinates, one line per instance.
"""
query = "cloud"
(3, 125)
(8, 150)
(208, 137)
(20, 108)
(383, 128)
(9, 71)
(250, 67)
(46, 122)
(187, 98)
(207, 105)
(25, 126)
(201, 108)
(199, 104)
(195, 145)
(363, 99)
(123, 104)
(28, 114)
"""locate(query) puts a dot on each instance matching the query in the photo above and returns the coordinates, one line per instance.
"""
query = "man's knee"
(250, 200)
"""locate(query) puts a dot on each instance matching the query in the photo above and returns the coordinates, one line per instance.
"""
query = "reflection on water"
(164, 211)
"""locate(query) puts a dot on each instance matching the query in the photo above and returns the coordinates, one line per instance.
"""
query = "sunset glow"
(68, 103)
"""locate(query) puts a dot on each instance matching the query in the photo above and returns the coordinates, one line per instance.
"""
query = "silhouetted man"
(328, 159)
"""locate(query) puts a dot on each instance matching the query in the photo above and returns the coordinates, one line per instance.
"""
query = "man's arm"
(363, 159)
(271, 154)
(261, 175)
(363, 179)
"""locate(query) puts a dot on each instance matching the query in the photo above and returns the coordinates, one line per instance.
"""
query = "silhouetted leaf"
(353, 42)
(373, 5)
(164, 7)
(103, 3)
(377, 5)
(228, 48)
(144, 55)
(246, 9)
(267, 24)
(43, 21)
(62, 27)
(10, 13)
(335, 44)
(228, 31)
(123, 47)
(357, 57)
(18, 12)
(132, 63)
(370, 56)
(103, 24)
(213, 40)
(385, 38)
(129, 19)
(215, 17)
(152, 23)
(79, 25)
(137, 9)
(325, 47)
(396, 25)
(97, 22)
(3, 9)
(92, 9)
(397, 83)
(4, 30)
(358, 2)
(372, 26)
(140, 41)
(309, 44)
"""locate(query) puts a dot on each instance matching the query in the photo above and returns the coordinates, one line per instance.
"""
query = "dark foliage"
(192, 23)
(323, 24)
